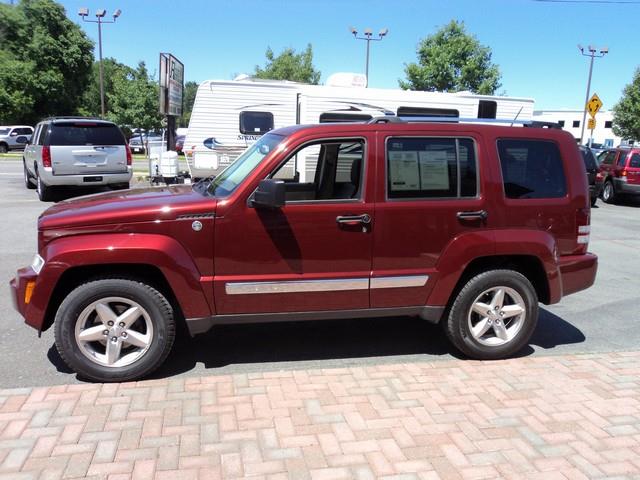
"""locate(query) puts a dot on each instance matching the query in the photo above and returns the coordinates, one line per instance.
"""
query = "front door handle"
(475, 215)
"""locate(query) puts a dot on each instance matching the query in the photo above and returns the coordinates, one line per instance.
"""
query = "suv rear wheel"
(4, 148)
(114, 330)
(45, 193)
(608, 192)
(494, 315)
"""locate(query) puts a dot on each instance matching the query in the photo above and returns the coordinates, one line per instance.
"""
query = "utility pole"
(368, 37)
(100, 13)
(592, 52)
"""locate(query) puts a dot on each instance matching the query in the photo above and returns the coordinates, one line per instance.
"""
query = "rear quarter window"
(85, 134)
(531, 169)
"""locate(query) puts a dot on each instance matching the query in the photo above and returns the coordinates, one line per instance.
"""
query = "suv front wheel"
(114, 330)
(494, 315)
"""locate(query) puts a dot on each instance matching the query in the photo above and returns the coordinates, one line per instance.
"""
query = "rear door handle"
(475, 215)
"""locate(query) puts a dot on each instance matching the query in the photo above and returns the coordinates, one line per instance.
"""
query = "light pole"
(100, 13)
(368, 36)
(592, 52)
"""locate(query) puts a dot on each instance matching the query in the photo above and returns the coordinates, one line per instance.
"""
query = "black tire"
(45, 192)
(457, 325)
(160, 314)
(4, 148)
(608, 192)
(27, 178)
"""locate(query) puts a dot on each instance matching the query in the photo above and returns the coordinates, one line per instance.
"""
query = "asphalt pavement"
(601, 319)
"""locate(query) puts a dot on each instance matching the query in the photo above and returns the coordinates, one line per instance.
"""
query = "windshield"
(232, 176)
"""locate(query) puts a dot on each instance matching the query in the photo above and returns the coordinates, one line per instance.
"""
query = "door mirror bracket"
(270, 194)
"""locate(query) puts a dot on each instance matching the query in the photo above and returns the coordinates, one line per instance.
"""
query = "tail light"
(129, 160)
(583, 220)
(46, 156)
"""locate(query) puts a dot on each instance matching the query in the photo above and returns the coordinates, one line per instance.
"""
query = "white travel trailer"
(229, 115)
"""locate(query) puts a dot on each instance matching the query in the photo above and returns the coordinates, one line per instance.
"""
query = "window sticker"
(403, 170)
(434, 170)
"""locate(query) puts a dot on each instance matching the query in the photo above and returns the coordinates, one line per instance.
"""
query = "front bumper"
(86, 179)
(578, 272)
(32, 314)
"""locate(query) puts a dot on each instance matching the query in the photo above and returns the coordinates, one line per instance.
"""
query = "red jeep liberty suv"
(467, 225)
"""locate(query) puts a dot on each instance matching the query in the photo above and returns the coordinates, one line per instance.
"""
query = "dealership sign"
(171, 85)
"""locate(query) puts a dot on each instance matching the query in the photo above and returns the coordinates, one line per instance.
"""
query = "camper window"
(331, 117)
(427, 112)
(487, 109)
(256, 123)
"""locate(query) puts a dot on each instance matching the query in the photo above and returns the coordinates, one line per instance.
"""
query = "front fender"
(465, 248)
(159, 251)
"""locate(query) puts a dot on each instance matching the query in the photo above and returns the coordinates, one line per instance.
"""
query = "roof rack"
(72, 117)
(510, 121)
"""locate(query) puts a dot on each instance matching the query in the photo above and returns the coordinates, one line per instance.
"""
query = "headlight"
(37, 263)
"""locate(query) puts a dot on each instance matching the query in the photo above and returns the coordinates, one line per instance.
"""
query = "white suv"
(14, 137)
(76, 151)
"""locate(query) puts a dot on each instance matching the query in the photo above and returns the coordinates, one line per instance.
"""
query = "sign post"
(593, 107)
(171, 92)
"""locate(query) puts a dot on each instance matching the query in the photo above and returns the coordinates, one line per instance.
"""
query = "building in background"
(571, 121)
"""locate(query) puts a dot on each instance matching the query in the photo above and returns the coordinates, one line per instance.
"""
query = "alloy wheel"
(496, 316)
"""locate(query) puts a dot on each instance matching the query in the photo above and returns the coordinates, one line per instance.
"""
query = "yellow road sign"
(593, 105)
(591, 124)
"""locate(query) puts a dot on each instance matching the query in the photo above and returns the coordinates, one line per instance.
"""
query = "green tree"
(188, 98)
(289, 65)
(45, 61)
(133, 99)
(451, 61)
(90, 104)
(626, 113)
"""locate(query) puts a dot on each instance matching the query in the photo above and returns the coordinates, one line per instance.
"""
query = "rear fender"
(462, 250)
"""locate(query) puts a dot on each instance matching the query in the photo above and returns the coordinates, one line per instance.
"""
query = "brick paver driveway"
(549, 417)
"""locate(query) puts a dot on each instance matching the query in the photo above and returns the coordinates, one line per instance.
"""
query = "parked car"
(594, 180)
(466, 225)
(180, 144)
(14, 137)
(138, 143)
(76, 151)
(620, 173)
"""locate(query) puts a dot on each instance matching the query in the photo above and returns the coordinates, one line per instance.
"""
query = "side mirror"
(270, 193)
(22, 139)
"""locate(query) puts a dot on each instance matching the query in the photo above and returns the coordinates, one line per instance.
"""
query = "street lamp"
(100, 14)
(368, 37)
(592, 52)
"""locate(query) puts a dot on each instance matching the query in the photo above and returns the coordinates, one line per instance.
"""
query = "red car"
(620, 173)
(466, 225)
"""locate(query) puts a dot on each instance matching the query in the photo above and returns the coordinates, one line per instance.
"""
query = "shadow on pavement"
(329, 340)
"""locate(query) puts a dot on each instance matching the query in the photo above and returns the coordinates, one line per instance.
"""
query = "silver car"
(76, 151)
(14, 137)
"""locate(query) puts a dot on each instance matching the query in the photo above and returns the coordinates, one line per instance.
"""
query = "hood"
(127, 206)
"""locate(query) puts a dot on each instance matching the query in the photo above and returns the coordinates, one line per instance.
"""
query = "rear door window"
(431, 168)
(531, 169)
(621, 159)
(70, 133)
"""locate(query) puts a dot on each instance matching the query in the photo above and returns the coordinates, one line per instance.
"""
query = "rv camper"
(228, 116)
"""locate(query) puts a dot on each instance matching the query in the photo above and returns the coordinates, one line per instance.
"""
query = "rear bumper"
(626, 188)
(578, 272)
(86, 179)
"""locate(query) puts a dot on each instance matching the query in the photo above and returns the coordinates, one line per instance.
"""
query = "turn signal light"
(28, 291)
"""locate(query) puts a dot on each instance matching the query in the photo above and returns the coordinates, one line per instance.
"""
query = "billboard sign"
(171, 85)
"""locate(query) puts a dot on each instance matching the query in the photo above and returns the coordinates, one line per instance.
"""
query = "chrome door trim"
(400, 282)
(297, 286)
(328, 285)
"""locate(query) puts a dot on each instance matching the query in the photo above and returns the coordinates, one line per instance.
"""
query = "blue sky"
(534, 43)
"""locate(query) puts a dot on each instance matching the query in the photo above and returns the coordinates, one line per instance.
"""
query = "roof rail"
(510, 121)
(72, 117)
